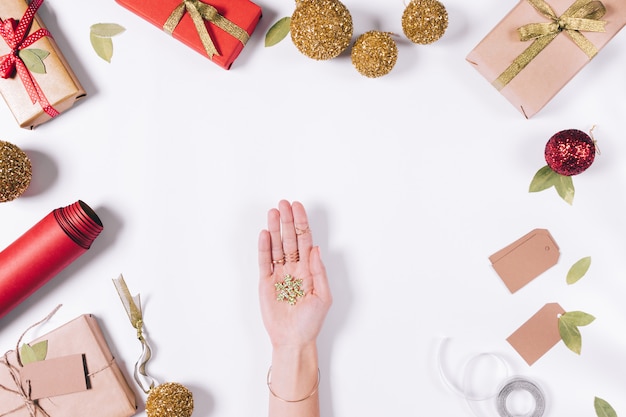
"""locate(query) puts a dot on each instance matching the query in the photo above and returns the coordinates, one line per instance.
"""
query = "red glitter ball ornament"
(570, 152)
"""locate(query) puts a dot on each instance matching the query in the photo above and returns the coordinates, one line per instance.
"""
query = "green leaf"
(603, 409)
(543, 179)
(40, 349)
(278, 31)
(577, 318)
(570, 336)
(102, 46)
(100, 36)
(106, 30)
(27, 354)
(33, 59)
(565, 187)
(578, 270)
(34, 353)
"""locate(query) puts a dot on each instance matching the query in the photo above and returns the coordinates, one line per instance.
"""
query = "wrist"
(294, 351)
(294, 373)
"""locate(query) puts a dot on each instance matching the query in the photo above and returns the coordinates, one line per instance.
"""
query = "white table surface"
(411, 181)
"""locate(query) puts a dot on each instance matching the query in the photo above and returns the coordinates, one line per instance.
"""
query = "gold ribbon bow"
(200, 12)
(582, 15)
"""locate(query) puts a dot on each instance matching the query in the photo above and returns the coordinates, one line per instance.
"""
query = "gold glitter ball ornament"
(321, 29)
(15, 171)
(169, 400)
(374, 54)
(424, 21)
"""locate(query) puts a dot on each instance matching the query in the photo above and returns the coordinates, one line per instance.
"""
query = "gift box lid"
(59, 85)
(547, 73)
(242, 13)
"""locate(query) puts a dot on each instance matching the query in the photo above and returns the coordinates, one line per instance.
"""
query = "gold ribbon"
(582, 15)
(132, 304)
(200, 12)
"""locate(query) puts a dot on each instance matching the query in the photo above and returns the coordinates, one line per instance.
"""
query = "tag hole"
(547, 248)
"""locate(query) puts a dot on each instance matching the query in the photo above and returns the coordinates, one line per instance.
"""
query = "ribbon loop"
(199, 13)
(581, 16)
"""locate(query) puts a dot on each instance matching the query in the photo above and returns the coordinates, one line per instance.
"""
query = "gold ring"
(280, 261)
(293, 257)
(303, 231)
(289, 289)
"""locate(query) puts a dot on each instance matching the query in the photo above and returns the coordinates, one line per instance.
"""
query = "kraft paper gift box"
(217, 29)
(33, 97)
(78, 377)
(570, 38)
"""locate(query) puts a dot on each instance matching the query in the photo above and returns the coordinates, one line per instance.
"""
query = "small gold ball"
(374, 54)
(15, 171)
(169, 400)
(321, 29)
(424, 21)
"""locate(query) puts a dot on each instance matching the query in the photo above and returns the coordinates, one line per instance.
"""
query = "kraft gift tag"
(538, 334)
(57, 376)
(523, 260)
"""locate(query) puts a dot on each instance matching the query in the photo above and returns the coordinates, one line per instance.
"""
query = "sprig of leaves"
(603, 408)
(578, 270)
(569, 323)
(100, 35)
(278, 31)
(34, 353)
(33, 59)
(546, 178)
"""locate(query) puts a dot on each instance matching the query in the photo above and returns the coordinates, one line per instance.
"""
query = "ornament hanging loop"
(595, 142)
(132, 305)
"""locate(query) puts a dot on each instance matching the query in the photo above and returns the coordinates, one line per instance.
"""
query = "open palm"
(286, 249)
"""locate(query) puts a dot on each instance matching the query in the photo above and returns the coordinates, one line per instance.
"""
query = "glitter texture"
(15, 171)
(424, 21)
(374, 54)
(169, 400)
(321, 29)
(570, 152)
(290, 289)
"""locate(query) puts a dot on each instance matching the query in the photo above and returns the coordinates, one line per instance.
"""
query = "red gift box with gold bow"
(36, 81)
(218, 29)
(540, 45)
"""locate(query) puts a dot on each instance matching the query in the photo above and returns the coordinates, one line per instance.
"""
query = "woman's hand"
(286, 248)
(287, 257)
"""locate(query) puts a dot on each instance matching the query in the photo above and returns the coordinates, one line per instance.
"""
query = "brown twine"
(33, 406)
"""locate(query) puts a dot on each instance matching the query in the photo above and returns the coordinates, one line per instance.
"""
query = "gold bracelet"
(313, 391)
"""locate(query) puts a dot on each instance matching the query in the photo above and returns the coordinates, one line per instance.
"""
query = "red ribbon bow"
(14, 34)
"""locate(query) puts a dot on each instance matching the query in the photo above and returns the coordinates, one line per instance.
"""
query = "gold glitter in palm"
(290, 289)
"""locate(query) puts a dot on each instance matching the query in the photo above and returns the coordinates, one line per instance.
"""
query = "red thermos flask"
(44, 251)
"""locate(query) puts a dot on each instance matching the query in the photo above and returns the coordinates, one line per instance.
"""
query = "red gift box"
(225, 24)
